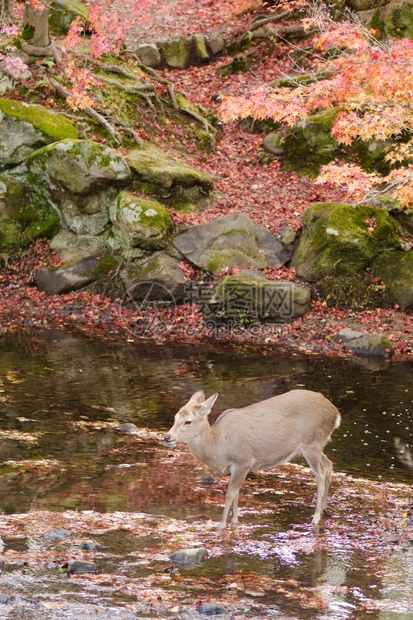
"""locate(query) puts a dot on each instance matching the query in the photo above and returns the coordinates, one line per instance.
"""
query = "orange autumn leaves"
(369, 83)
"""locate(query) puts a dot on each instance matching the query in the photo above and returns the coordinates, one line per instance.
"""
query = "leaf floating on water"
(23, 437)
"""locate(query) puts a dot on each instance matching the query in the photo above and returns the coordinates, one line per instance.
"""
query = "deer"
(259, 436)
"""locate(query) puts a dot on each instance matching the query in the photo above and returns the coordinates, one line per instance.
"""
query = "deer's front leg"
(238, 475)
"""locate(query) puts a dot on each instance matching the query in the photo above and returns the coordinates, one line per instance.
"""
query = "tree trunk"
(36, 23)
(5, 17)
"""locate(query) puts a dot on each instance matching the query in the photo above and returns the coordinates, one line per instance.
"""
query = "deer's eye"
(188, 422)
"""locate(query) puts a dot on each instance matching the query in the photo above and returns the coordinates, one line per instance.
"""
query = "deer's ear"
(206, 407)
(198, 397)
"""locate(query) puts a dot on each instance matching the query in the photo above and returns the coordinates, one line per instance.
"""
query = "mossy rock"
(63, 12)
(52, 125)
(82, 178)
(177, 52)
(310, 145)
(75, 275)
(158, 277)
(399, 21)
(340, 239)
(395, 269)
(249, 296)
(168, 179)
(24, 215)
(139, 223)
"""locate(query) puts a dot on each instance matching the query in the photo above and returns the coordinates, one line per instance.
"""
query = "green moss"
(396, 271)
(10, 236)
(399, 21)
(355, 292)
(54, 126)
(107, 264)
(340, 239)
(376, 23)
(177, 52)
(310, 145)
(29, 208)
(217, 260)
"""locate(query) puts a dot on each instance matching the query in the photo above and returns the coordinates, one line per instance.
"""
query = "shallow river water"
(56, 387)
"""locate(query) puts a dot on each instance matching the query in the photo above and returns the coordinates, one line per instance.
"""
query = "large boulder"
(250, 296)
(309, 145)
(399, 20)
(177, 52)
(168, 179)
(83, 179)
(24, 215)
(25, 128)
(159, 277)
(395, 269)
(340, 239)
(74, 275)
(63, 12)
(228, 241)
(139, 223)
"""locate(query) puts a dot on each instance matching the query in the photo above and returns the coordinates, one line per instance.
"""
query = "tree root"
(89, 111)
(208, 127)
(39, 51)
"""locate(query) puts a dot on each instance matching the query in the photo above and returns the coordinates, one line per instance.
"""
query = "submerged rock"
(128, 428)
(371, 344)
(56, 534)
(211, 609)
(79, 567)
(189, 557)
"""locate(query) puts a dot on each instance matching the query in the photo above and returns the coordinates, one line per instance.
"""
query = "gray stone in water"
(89, 545)
(75, 275)
(56, 534)
(128, 428)
(211, 609)
(79, 567)
(207, 479)
(189, 557)
(4, 598)
(371, 344)
(149, 55)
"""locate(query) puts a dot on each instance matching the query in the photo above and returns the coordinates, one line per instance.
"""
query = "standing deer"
(259, 436)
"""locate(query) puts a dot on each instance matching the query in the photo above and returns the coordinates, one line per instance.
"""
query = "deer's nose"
(167, 438)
